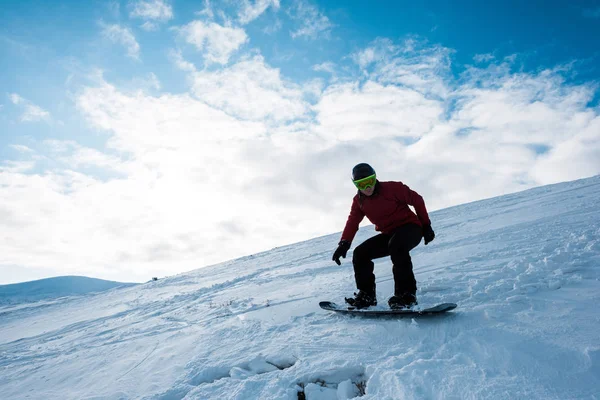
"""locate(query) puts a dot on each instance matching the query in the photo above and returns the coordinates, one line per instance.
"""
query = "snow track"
(523, 268)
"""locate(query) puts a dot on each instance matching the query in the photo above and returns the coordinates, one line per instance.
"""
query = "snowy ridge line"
(57, 288)
(549, 192)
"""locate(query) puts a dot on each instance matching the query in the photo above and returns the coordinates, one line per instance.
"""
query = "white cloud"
(143, 123)
(31, 112)
(149, 26)
(59, 146)
(21, 149)
(123, 36)
(349, 112)
(273, 28)
(153, 81)
(16, 167)
(207, 12)
(217, 42)
(482, 132)
(511, 114)
(186, 175)
(314, 88)
(34, 113)
(148, 82)
(180, 62)
(16, 99)
(74, 156)
(313, 23)
(85, 157)
(253, 9)
(381, 51)
(154, 10)
(191, 177)
(480, 58)
(572, 157)
(410, 63)
(325, 67)
(251, 90)
(237, 165)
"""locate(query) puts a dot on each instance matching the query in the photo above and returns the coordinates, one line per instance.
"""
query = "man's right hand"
(341, 251)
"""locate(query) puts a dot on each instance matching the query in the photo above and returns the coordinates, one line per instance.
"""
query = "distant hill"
(52, 288)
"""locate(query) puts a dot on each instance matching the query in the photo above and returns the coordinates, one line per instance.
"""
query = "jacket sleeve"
(410, 197)
(354, 220)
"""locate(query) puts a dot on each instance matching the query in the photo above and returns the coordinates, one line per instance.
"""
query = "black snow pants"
(397, 245)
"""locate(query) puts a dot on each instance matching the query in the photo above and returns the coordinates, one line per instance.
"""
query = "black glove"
(341, 251)
(428, 234)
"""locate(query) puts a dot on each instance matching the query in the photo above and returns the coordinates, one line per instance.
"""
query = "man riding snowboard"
(385, 204)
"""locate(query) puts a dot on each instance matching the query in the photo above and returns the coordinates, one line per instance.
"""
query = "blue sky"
(149, 137)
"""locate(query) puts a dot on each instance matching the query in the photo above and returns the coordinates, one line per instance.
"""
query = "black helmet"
(362, 170)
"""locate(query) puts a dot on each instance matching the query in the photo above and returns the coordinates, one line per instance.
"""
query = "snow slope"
(52, 288)
(523, 268)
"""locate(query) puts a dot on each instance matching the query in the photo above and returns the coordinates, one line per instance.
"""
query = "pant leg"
(362, 259)
(402, 241)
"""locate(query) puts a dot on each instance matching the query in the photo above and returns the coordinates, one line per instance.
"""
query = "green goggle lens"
(365, 183)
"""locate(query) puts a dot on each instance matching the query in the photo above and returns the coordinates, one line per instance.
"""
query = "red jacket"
(387, 209)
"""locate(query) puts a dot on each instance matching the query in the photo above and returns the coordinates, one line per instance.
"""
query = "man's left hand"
(428, 234)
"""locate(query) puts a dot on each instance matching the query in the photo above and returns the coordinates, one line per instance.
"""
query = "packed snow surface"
(524, 270)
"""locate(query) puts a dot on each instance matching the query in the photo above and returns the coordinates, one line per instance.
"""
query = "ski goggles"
(365, 183)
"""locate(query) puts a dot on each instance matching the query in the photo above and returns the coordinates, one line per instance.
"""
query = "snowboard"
(439, 309)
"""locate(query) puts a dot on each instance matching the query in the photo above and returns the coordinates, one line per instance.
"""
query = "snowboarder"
(385, 204)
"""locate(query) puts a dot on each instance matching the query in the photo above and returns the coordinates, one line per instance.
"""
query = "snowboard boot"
(403, 301)
(362, 299)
